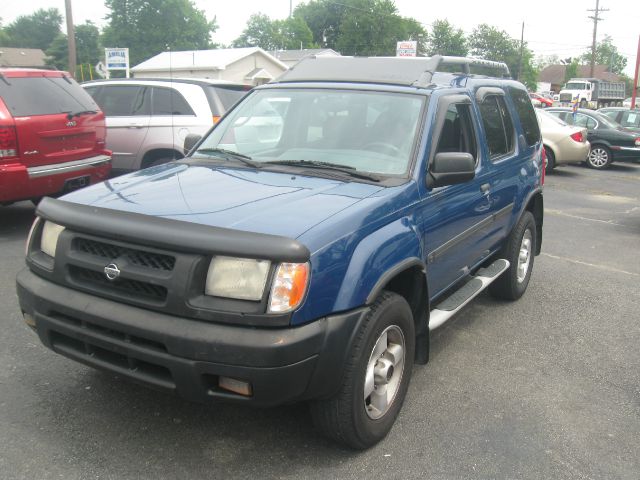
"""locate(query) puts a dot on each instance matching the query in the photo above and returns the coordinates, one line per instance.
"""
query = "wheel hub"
(524, 257)
(384, 372)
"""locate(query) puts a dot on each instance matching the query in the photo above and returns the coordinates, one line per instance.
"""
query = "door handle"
(135, 125)
(484, 188)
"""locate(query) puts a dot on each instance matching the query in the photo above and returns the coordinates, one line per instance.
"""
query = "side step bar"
(458, 299)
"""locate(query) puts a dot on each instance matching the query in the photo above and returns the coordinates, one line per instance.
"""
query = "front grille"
(121, 286)
(109, 251)
(565, 97)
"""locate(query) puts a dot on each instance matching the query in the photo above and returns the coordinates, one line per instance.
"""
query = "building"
(251, 66)
(555, 75)
(22, 57)
(291, 57)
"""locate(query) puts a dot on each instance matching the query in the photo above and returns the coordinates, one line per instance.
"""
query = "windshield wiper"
(70, 115)
(346, 169)
(229, 155)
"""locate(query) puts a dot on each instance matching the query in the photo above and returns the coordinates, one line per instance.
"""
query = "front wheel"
(599, 157)
(520, 251)
(551, 160)
(376, 377)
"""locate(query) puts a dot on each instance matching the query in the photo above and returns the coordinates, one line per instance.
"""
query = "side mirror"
(190, 142)
(450, 168)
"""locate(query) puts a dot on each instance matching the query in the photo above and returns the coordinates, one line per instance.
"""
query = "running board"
(458, 299)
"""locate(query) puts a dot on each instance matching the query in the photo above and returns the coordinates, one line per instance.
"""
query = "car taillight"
(578, 137)
(544, 165)
(638, 142)
(8, 142)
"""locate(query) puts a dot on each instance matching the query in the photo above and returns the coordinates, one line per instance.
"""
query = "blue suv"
(306, 246)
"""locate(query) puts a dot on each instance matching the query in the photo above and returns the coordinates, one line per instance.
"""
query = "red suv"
(52, 135)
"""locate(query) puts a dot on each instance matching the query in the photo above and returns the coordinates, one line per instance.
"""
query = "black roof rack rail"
(408, 71)
(465, 64)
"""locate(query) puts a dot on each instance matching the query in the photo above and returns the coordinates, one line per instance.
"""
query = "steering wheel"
(382, 147)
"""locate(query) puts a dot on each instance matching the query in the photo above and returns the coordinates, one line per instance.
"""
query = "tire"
(599, 157)
(551, 160)
(349, 417)
(520, 251)
(583, 103)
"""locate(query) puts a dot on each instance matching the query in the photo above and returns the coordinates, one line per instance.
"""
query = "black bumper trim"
(187, 356)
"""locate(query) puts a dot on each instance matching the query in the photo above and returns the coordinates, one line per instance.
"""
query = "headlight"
(50, 233)
(241, 278)
(289, 286)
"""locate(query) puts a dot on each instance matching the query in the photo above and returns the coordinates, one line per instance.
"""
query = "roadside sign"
(117, 59)
(407, 49)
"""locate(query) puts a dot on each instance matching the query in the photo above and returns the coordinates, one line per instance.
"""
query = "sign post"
(116, 59)
(407, 48)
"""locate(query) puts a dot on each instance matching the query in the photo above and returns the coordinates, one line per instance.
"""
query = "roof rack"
(408, 71)
(465, 64)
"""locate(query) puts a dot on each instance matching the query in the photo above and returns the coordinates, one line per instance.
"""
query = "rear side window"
(31, 96)
(228, 96)
(498, 126)
(167, 101)
(528, 120)
(585, 121)
(123, 100)
(631, 119)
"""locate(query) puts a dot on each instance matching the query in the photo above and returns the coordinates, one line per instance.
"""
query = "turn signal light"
(216, 119)
(289, 287)
(578, 137)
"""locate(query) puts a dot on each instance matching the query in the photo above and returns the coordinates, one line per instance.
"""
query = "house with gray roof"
(22, 57)
(251, 66)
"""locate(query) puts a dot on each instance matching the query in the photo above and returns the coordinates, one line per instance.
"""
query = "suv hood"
(252, 200)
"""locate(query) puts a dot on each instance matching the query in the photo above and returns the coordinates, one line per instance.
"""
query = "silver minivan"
(148, 119)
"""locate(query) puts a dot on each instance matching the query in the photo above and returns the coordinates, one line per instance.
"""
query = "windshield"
(372, 132)
(575, 86)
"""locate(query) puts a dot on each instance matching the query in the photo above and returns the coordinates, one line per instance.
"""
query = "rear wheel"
(520, 251)
(551, 160)
(376, 377)
(583, 103)
(599, 157)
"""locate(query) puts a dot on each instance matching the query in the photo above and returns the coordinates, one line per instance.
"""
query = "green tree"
(359, 27)
(606, 54)
(149, 27)
(261, 31)
(88, 48)
(445, 39)
(37, 30)
(4, 36)
(492, 44)
(572, 70)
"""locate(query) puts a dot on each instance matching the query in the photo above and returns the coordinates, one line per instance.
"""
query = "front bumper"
(187, 356)
(19, 182)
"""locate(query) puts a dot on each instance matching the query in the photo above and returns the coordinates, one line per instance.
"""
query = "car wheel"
(599, 157)
(551, 160)
(583, 103)
(376, 377)
(519, 251)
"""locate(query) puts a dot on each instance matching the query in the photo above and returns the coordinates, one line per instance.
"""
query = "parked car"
(148, 119)
(627, 102)
(52, 135)
(629, 119)
(541, 100)
(311, 261)
(563, 143)
(609, 140)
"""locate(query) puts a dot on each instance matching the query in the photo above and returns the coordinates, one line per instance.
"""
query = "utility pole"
(521, 50)
(634, 97)
(71, 39)
(596, 18)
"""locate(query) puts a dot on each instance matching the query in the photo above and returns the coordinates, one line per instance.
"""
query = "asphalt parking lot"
(544, 388)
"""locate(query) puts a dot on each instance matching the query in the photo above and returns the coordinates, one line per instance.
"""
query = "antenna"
(173, 134)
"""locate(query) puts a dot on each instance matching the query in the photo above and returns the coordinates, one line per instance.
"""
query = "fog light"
(236, 386)
(29, 320)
